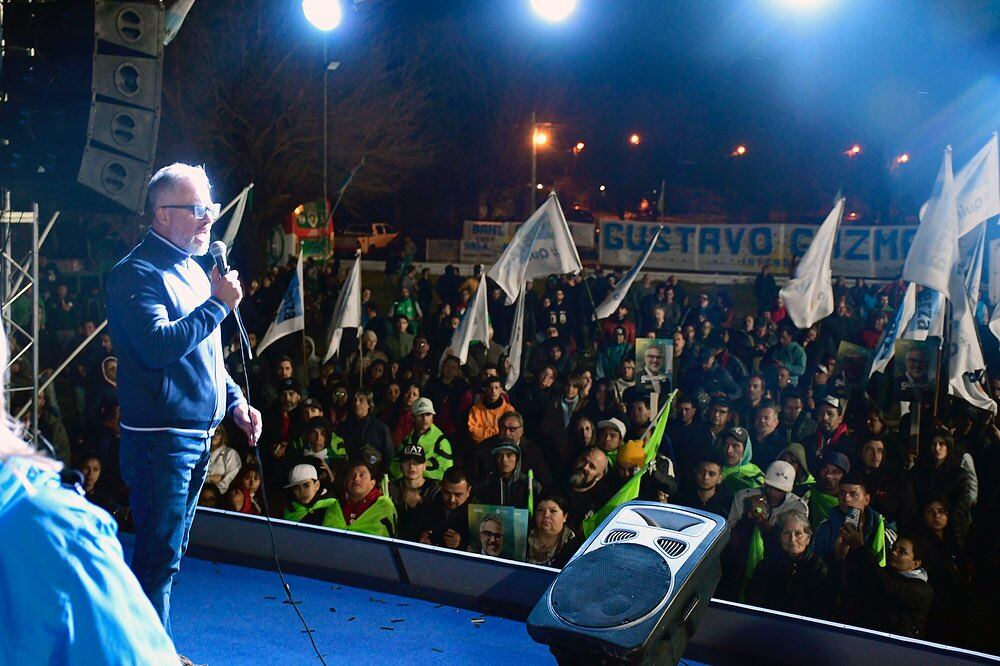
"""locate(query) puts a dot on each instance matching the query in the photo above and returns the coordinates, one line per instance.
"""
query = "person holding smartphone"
(854, 524)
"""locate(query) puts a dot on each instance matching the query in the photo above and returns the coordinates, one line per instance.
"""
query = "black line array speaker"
(80, 84)
(636, 589)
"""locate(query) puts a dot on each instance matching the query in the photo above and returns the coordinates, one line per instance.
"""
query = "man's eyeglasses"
(495, 536)
(199, 210)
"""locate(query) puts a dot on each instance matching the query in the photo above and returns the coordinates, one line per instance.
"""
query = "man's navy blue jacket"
(165, 324)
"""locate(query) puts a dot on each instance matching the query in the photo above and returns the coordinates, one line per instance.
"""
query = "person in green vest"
(311, 499)
(408, 307)
(795, 455)
(752, 517)
(362, 507)
(320, 442)
(853, 520)
(825, 497)
(737, 450)
(430, 439)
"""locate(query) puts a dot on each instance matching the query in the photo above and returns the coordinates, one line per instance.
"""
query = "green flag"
(630, 490)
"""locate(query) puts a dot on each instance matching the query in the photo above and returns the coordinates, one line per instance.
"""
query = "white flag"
(474, 326)
(514, 350)
(237, 219)
(291, 316)
(610, 304)
(887, 341)
(966, 366)
(977, 188)
(347, 312)
(935, 245)
(174, 17)
(809, 296)
(542, 246)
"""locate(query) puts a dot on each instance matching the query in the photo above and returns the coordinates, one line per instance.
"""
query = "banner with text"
(482, 242)
(860, 251)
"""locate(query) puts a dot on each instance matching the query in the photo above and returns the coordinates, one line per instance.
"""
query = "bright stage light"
(853, 150)
(324, 14)
(803, 6)
(553, 10)
(539, 186)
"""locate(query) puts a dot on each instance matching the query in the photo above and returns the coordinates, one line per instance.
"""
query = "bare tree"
(243, 91)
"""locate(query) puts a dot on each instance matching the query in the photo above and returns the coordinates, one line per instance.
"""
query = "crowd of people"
(840, 508)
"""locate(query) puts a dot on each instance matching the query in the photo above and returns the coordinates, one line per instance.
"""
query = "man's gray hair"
(167, 179)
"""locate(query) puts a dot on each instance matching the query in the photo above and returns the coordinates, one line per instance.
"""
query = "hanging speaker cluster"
(635, 590)
(80, 101)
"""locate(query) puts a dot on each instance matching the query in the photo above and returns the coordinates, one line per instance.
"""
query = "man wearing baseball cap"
(431, 441)
(752, 517)
(737, 450)
(413, 487)
(826, 495)
(831, 432)
(610, 435)
(310, 500)
(507, 484)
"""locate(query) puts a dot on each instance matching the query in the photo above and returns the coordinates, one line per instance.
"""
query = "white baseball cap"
(612, 423)
(423, 406)
(780, 475)
(300, 474)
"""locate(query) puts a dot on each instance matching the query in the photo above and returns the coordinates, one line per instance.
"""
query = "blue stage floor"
(224, 614)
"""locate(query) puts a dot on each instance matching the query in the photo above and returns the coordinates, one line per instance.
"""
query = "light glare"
(323, 14)
(540, 138)
(553, 10)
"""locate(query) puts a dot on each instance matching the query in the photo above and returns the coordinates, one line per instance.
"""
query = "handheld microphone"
(218, 252)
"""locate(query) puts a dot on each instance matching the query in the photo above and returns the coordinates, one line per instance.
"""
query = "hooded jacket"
(76, 600)
(512, 491)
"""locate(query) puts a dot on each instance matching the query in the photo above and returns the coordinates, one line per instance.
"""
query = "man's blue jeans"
(164, 472)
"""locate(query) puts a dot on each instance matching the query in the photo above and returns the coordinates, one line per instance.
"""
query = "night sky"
(696, 78)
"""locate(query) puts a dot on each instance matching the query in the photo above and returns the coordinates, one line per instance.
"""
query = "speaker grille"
(672, 547)
(614, 536)
(611, 586)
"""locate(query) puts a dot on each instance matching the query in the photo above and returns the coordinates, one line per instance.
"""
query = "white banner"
(483, 241)
(860, 251)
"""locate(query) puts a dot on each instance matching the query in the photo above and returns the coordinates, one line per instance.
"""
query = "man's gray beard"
(491, 552)
(577, 480)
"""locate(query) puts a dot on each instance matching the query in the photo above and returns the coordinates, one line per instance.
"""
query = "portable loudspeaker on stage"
(636, 588)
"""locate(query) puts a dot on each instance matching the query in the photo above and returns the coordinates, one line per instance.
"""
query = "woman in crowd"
(399, 417)
(939, 473)
(583, 434)
(223, 461)
(792, 579)
(890, 489)
(551, 542)
(946, 570)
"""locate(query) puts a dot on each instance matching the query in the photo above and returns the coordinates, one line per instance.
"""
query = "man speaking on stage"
(164, 309)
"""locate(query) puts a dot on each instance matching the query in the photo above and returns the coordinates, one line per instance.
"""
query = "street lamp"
(903, 159)
(554, 10)
(853, 151)
(739, 151)
(539, 137)
(635, 140)
(324, 14)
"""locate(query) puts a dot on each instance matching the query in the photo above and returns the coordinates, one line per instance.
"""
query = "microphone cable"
(244, 351)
